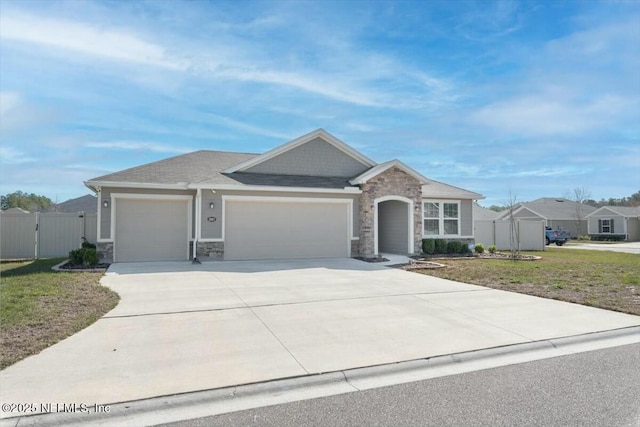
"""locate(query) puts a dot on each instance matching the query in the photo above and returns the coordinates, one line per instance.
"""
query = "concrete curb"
(57, 267)
(199, 404)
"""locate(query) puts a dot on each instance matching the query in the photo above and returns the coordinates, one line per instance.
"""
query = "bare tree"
(514, 230)
(580, 195)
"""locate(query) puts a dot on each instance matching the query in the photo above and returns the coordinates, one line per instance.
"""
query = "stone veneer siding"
(392, 182)
(210, 251)
(105, 251)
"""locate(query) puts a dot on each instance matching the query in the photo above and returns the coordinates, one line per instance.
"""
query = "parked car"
(559, 237)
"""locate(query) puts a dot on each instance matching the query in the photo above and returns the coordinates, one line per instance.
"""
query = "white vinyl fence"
(44, 235)
(499, 233)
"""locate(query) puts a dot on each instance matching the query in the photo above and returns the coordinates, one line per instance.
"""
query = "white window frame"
(602, 220)
(441, 217)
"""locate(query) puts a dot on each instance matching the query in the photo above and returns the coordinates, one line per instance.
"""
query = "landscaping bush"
(428, 246)
(479, 248)
(453, 247)
(492, 249)
(440, 246)
(85, 256)
(464, 249)
(608, 237)
(87, 245)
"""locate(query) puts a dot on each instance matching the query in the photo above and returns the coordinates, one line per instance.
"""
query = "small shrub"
(608, 237)
(90, 258)
(453, 247)
(440, 246)
(479, 248)
(76, 256)
(87, 245)
(492, 249)
(428, 246)
(464, 249)
(84, 256)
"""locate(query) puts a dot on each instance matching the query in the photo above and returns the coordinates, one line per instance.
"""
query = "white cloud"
(83, 38)
(8, 102)
(11, 156)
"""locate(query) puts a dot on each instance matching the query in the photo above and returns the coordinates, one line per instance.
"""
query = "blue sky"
(535, 97)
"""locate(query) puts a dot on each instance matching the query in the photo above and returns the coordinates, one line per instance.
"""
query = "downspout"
(198, 225)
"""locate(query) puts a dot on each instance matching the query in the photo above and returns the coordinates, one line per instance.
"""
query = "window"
(441, 218)
(606, 226)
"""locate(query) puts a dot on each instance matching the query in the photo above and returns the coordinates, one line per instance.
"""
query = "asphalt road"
(599, 388)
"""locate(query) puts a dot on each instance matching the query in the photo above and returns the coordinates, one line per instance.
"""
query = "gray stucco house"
(312, 197)
(623, 221)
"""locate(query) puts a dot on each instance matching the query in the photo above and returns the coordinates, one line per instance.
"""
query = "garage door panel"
(151, 230)
(271, 230)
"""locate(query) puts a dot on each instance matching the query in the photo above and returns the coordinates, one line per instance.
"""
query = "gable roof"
(382, 167)
(554, 208)
(436, 189)
(87, 203)
(202, 166)
(626, 211)
(318, 133)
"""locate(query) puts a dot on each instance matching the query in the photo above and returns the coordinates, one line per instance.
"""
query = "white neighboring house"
(609, 221)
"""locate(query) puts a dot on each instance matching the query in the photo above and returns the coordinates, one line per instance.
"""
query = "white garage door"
(151, 230)
(282, 229)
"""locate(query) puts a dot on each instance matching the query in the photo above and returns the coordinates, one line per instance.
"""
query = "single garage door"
(279, 230)
(151, 230)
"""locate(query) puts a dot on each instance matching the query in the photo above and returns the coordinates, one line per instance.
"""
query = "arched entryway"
(394, 225)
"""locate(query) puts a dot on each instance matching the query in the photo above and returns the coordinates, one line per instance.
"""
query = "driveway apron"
(181, 327)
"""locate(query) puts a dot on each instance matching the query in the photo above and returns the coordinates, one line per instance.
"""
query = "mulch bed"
(82, 268)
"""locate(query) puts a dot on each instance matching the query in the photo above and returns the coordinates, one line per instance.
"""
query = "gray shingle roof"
(627, 211)
(483, 214)
(558, 208)
(202, 166)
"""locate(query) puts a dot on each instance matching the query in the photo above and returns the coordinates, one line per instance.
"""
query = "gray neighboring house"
(312, 197)
(86, 204)
(615, 220)
(557, 213)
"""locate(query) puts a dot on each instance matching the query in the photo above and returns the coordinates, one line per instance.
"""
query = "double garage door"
(282, 229)
(158, 230)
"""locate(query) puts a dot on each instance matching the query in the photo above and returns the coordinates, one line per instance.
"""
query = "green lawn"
(602, 279)
(39, 307)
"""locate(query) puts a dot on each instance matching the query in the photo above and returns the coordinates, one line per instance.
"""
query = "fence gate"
(44, 235)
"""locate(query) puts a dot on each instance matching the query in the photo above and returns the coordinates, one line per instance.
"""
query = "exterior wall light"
(105, 203)
(211, 205)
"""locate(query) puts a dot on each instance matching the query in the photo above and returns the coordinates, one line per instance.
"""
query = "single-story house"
(621, 221)
(557, 213)
(86, 204)
(309, 198)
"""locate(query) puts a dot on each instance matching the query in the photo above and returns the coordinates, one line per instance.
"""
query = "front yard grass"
(602, 279)
(39, 307)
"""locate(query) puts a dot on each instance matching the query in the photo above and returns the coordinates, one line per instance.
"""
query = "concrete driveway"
(182, 327)
(627, 247)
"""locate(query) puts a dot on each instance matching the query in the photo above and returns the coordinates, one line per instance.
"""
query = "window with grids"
(605, 226)
(441, 218)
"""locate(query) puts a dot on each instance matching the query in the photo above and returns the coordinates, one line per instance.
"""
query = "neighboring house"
(15, 210)
(620, 221)
(86, 204)
(557, 213)
(312, 197)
